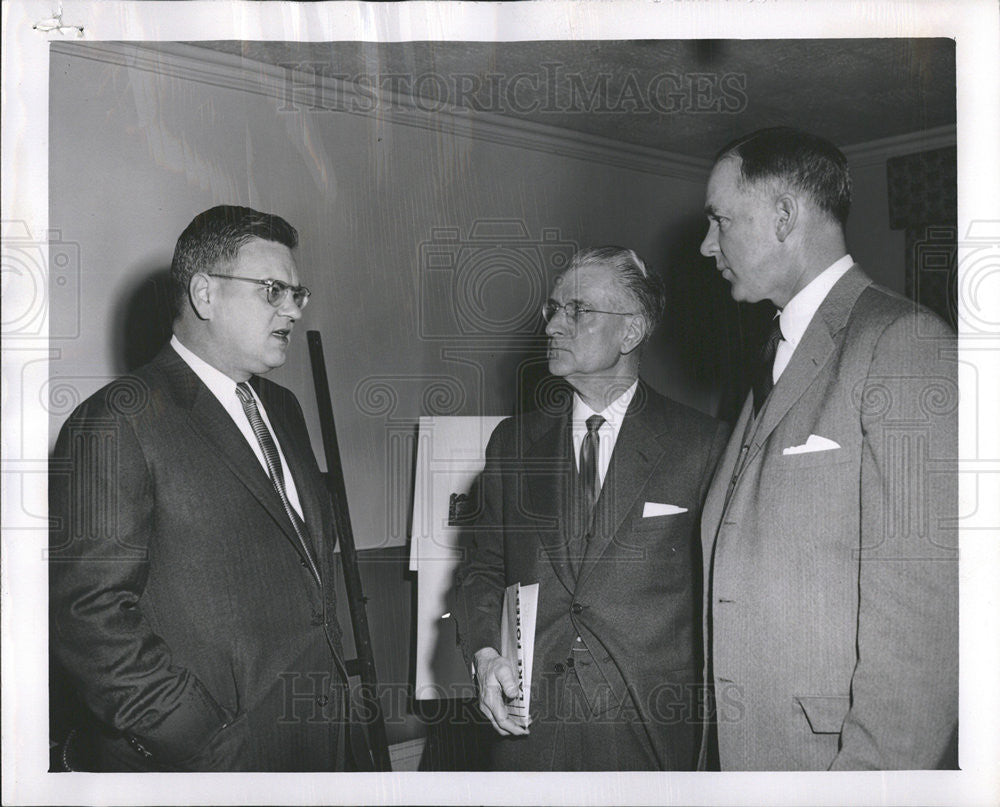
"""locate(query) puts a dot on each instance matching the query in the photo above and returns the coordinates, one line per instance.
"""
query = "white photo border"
(28, 28)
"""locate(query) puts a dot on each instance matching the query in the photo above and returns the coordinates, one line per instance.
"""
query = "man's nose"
(559, 325)
(710, 243)
(288, 307)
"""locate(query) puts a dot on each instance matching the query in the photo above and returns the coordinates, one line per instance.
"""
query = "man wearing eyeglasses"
(192, 561)
(598, 502)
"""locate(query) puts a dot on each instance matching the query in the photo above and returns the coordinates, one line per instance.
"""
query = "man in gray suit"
(192, 565)
(595, 498)
(829, 530)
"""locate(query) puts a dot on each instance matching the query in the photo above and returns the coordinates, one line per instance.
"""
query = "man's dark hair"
(632, 276)
(804, 161)
(215, 236)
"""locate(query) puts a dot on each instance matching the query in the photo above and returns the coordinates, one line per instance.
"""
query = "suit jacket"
(181, 603)
(634, 599)
(831, 576)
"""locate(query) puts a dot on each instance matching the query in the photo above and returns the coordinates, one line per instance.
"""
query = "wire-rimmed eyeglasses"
(573, 310)
(277, 290)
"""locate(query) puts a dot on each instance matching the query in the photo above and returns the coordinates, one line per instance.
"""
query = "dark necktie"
(764, 373)
(273, 461)
(588, 463)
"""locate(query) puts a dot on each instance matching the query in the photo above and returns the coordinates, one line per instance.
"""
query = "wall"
(428, 243)
(137, 149)
(881, 251)
(427, 239)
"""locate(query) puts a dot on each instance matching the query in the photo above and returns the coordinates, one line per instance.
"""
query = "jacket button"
(322, 700)
(559, 668)
(577, 608)
(570, 663)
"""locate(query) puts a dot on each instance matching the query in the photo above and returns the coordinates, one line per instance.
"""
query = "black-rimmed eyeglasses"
(574, 310)
(277, 290)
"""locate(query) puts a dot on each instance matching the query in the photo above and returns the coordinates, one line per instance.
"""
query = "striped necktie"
(588, 463)
(273, 461)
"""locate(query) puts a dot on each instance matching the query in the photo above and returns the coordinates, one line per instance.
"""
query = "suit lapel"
(549, 492)
(293, 451)
(722, 486)
(312, 494)
(809, 358)
(813, 352)
(637, 453)
(212, 423)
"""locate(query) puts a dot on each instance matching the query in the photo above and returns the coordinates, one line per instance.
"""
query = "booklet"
(517, 641)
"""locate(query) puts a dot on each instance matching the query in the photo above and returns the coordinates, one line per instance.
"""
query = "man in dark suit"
(192, 552)
(598, 502)
(829, 531)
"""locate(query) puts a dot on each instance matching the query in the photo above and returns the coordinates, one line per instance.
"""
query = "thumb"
(507, 679)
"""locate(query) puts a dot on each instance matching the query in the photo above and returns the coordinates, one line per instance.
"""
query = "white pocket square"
(657, 509)
(814, 443)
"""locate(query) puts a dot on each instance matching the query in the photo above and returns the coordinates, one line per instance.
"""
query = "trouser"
(570, 737)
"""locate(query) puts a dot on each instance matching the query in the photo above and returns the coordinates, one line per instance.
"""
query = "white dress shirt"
(799, 311)
(224, 388)
(613, 416)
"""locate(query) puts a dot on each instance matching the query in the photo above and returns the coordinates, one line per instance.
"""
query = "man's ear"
(635, 332)
(200, 295)
(786, 208)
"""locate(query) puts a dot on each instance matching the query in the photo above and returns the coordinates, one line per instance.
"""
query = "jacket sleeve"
(904, 689)
(101, 504)
(481, 577)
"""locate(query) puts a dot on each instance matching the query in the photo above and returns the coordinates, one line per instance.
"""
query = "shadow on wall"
(139, 327)
(707, 341)
(534, 387)
(142, 321)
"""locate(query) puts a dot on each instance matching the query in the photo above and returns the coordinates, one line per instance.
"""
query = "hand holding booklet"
(517, 642)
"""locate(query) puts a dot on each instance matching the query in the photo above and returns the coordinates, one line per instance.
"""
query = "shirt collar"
(613, 414)
(221, 385)
(798, 313)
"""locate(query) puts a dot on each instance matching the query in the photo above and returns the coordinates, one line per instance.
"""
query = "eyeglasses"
(574, 310)
(277, 290)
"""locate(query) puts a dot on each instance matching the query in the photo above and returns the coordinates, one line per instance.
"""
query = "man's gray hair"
(633, 277)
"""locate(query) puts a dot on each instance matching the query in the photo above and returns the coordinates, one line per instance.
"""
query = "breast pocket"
(667, 539)
(655, 524)
(811, 459)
